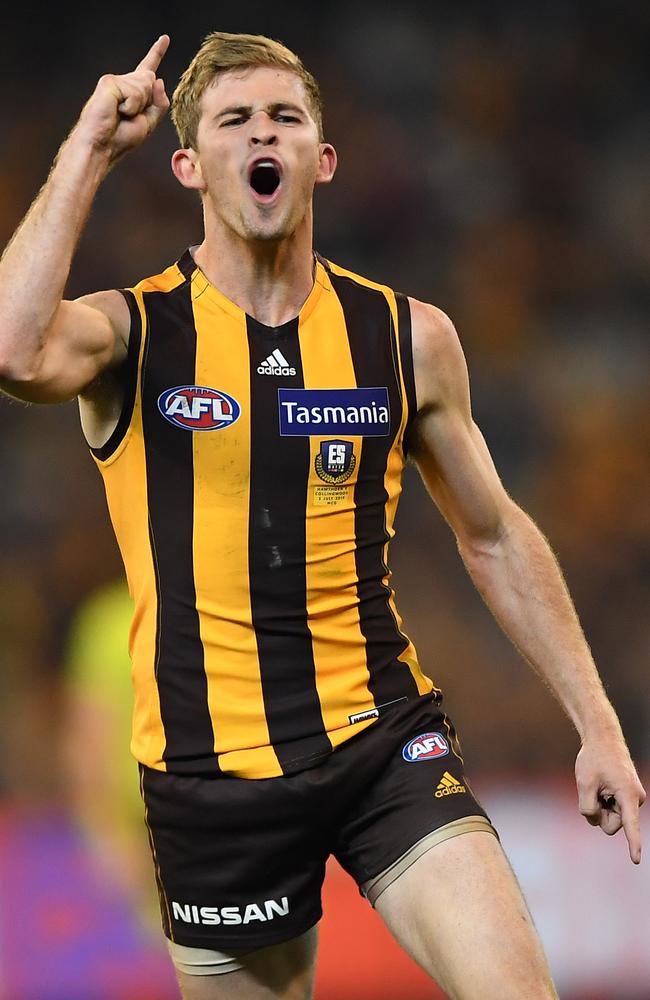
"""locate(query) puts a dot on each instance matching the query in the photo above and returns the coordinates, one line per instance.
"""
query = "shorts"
(240, 862)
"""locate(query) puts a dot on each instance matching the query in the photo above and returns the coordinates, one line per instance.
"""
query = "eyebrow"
(246, 109)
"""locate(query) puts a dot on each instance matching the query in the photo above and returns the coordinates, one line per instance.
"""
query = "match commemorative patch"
(426, 746)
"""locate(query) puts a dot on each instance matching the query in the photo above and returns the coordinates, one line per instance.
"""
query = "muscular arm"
(51, 349)
(515, 571)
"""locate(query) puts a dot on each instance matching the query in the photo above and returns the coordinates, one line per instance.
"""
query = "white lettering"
(272, 907)
(335, 414)
(383, 414)
(210, 915)
(289, 407)
(182, 912)
(253, 912)
(200, 405)
(218, 412)
(189, 913)
(179, 404)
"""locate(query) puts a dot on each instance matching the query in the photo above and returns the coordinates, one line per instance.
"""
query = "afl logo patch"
(426, 746)
(335, 461)
(198, 408)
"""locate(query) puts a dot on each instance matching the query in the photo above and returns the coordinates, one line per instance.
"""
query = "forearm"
(520, 581)
(36, 264)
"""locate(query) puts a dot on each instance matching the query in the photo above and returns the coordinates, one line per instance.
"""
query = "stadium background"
(494, 159)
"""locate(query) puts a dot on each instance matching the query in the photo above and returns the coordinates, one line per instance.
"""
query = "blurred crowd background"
(494, 160)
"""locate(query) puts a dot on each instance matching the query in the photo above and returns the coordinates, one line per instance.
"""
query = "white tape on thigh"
(204, 961)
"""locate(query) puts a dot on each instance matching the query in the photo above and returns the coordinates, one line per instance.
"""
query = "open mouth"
(265, 178)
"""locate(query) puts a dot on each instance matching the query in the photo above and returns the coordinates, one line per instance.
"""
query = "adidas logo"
(276, 364)
(448, 785)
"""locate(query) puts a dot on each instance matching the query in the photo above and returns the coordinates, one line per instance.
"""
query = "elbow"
(18, 367)
(484, 545)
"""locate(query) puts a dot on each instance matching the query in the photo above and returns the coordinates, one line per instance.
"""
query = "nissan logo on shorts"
(426, 746)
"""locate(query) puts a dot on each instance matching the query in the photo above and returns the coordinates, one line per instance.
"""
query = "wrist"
(84, 156)
(599, 722)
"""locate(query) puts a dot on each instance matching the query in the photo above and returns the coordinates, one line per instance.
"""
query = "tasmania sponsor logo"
(319, 412)
(198, 408)
(427, 746)
(189, 913)
(448, 785)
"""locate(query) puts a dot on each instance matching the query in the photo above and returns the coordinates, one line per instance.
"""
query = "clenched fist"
(123, 110)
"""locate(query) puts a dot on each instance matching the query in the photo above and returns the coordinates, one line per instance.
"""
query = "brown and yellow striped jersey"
(252, 481)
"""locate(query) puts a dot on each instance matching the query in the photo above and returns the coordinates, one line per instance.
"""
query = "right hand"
(123, 110)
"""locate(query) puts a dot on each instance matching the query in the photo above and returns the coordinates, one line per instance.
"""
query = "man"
(250, 410)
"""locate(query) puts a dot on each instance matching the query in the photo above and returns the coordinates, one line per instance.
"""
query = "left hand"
(609, 791)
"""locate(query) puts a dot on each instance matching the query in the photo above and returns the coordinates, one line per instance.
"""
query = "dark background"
(494, 160)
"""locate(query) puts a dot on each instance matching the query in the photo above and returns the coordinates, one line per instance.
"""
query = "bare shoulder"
(438, 359)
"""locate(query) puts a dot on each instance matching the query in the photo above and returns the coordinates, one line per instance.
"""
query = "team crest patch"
(336, 461)
(426, 746)
(198, 408)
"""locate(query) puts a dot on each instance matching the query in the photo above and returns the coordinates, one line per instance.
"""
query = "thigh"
(281, 972)
(238, 863)
(459, 912)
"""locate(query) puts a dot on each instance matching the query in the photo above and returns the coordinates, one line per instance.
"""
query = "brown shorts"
(240, 862)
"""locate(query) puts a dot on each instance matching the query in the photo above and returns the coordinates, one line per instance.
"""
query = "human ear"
(327, 163)
(186, 167)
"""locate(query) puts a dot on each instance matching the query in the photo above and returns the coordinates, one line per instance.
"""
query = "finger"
(135, 97)
(158, 107)
(610, 822)
(154, 56)
(589, 804)
(632, 827)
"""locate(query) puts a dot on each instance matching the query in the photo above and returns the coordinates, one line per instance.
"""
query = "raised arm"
(52, 349)
(514, 569)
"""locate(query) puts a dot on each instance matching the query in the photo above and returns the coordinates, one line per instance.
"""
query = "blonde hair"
(222, 51)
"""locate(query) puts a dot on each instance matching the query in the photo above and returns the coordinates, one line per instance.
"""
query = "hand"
(123, 110)
(609, 791)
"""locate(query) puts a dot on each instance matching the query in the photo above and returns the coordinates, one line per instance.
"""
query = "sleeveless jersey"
(252, 482)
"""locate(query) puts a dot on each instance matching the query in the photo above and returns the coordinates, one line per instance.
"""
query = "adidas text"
(448, 785)
(276, 364)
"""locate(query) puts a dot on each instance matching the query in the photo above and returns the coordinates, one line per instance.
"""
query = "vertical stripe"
(126, 492)
(279, 475)
(170, 473)
(394, 472)
(369, 326)
(406, 357)
(332, 601)
(221, 506)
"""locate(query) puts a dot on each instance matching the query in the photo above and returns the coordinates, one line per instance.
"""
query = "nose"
(263, 132)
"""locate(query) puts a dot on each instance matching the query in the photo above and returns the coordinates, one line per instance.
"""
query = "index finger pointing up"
(154, 56)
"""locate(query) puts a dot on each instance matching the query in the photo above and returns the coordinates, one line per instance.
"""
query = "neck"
(268, 280)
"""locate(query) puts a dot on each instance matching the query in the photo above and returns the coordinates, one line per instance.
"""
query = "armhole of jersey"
(406, 355)
(130, 375)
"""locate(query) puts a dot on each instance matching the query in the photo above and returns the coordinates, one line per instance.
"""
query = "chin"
(269, 233)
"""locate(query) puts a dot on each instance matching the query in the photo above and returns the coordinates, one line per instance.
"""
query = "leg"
(459, 912)
(280, 972)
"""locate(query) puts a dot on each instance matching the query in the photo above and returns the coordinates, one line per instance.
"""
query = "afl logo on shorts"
(198, 408)
(427, 746)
